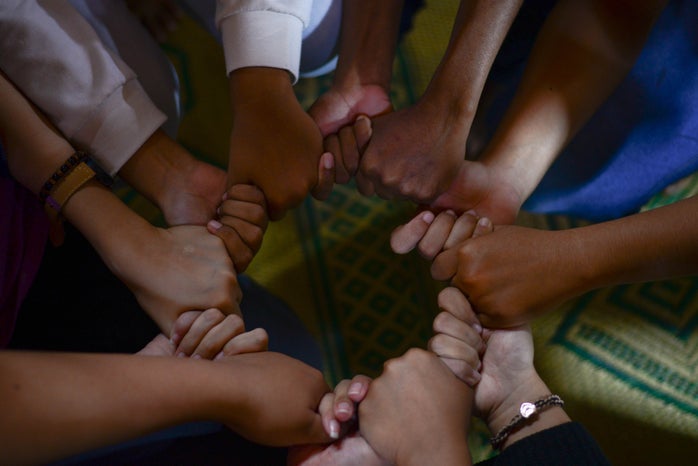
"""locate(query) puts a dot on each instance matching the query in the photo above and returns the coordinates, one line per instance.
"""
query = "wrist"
(254, 85)
(508, 413)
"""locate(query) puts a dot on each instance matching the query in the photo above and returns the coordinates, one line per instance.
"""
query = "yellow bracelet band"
(73, 181)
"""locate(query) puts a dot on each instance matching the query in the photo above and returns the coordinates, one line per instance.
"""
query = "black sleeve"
(568, 443)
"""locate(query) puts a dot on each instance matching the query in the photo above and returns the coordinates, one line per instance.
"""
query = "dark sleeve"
(568, 443)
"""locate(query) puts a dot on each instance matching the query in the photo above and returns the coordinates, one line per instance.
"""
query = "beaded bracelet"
(526, 410)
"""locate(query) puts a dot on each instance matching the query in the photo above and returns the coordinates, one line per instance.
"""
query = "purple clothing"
(24, 228)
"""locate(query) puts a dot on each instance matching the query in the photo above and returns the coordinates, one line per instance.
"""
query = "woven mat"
(625, 358)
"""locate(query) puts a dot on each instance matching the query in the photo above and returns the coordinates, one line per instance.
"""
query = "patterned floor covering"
(625, 358)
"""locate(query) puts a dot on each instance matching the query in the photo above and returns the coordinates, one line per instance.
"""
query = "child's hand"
(338, 408)
(458, 336)
(241, 224)
(211, 334)
(433, 233)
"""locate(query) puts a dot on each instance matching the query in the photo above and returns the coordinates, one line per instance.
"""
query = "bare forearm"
(582, 53)
(55, 405)
(478, 32)
(367, 43)
(653, 245)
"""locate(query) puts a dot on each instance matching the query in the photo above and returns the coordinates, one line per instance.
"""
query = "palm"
(507, 360)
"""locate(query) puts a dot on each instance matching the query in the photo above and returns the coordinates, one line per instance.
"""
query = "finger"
(239, 251)
(204, 322)
(359, 388)
(445, 346)
(254, 341)
(463, 371)
(343, 406)
(445, 265)
(245, 193)
(483, 227)
(363, 130)
(325, 182)
(405, 237)
(333, 146)
(217, 338)
(249, 220)
(329, 421)
(450, 326)
(244, 202)
(462, 230)
(182, 326)
(364, 185)
(350, 151)
(436, 235)
(453, 301)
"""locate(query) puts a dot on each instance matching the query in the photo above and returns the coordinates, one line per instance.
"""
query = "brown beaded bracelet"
(526, 410)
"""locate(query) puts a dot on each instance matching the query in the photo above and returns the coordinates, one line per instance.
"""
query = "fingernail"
(484, 222)
(355, 389)
(196, 356)
(327, 161)
(215, 224)
(334, 429)
(428, 217)
(471, 212)
(219, 356)
(344, 408)
(181, 355)
(477, 328)
(225, 196)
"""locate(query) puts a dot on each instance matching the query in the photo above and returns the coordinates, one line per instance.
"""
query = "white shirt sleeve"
(55, 57)
(263, 32)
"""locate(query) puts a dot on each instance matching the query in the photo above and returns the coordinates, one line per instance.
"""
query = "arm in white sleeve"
(263, 33)
(55, 57)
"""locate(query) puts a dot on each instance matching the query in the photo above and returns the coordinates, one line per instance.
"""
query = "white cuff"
(262, 38)
(119, 126)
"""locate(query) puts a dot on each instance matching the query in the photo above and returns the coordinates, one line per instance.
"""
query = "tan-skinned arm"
(582, 53)
(58, 404)
(169, 271)
(398, 164)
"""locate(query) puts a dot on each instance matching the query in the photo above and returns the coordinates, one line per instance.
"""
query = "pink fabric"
(24, 232)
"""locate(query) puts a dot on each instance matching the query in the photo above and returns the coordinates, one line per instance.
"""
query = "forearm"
(34, 152)
(367, 43)
(55, 405)
(529, 390)
(653, 245)
(583, 51)
(478, 32)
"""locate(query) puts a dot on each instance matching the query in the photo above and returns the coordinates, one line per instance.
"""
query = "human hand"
(210, 334)
(274, 143)
(341, 159)
(484, 190)
(351, 450)
(242, 221)
(186, 190)
(417, 412)
(457, 336)
(500, 273)
(413, 154)
(269, 415)
(432, 233)
(343, 115)
(174, 270)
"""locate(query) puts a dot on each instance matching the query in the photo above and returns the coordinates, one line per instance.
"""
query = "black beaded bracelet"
(526, 410)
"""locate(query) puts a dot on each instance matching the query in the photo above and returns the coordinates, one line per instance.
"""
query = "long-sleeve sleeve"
(55, 57)
(263, 32)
